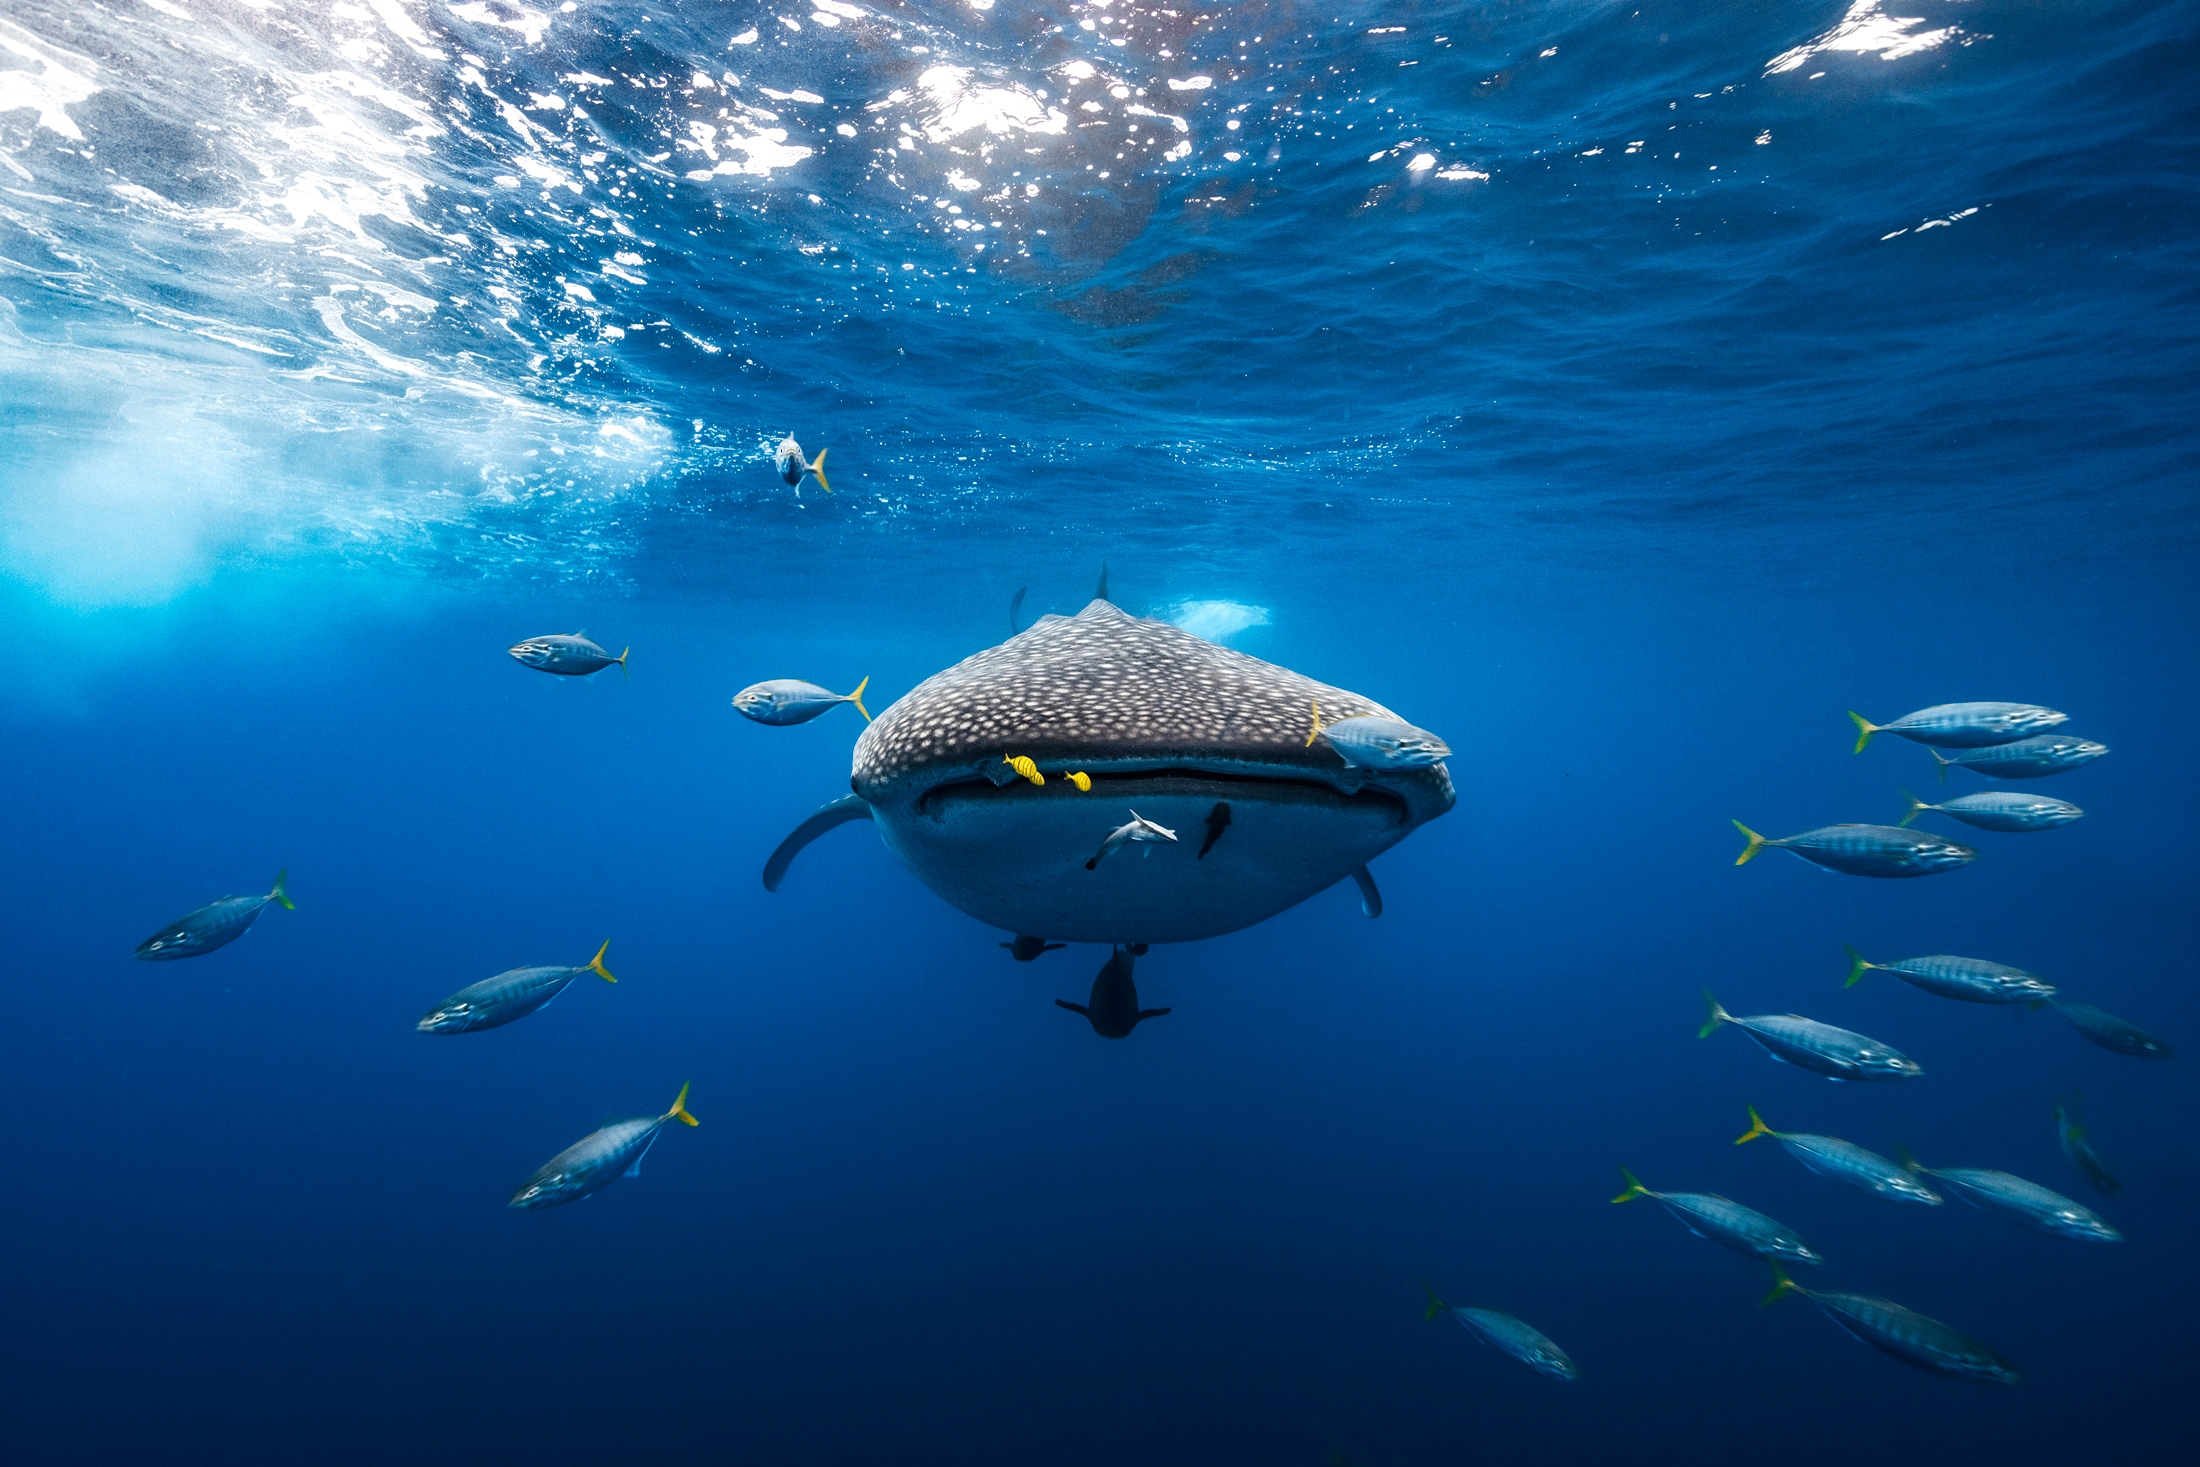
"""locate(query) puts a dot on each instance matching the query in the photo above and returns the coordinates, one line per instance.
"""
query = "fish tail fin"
(595, 964)
(1781, 1285)
(1756, 844)
(1917, 808)
(817, 470)
(1634, 1188)
(1757, 1127)
(1857, 965)
(1908, 1162)
(1317, 733)
(1943, 762)
(1436, 1306)
(856, 697)
(280, 895)
(680, 1107)
(1865, 728)
(622, 662)
(1718, 1016)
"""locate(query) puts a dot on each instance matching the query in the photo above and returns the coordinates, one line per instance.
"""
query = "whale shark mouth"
(1155, 786)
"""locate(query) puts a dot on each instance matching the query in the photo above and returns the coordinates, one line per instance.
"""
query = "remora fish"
(1378, 741)
(2080, 1151)
(1218, 820)
(1973, 980)
(787, 458)
(2110, 1032)
(1963, 725)
(598, 1159)
(1845, 1161)
(1865, 850)
(2030, 758)
(217, 924)
(1138, 828)
(1727, 1223)
(2000, 810)
(1903, 1333)
(510, 995)
(1508, 1336)
(1112, 1006)
(2028, 1202)
(1024, 949)
(1163, 720)
(1835, 1053)
(573, 656)
(784, 701)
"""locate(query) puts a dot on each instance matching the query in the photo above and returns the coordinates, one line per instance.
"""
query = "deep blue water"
(1649, 426)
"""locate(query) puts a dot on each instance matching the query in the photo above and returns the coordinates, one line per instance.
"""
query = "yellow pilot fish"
(1083, 781)
(1022, 764)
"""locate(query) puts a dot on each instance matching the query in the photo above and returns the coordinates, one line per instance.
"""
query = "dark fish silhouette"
(1024, 948)
(1112, 1008)
(1217, 821)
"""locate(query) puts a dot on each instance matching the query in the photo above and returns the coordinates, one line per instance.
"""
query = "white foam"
(1216, 621)
(1865, 30)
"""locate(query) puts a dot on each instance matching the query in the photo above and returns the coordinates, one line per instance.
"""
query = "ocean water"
(1623, 392)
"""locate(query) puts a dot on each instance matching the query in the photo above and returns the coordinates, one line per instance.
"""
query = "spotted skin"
(1105, 690)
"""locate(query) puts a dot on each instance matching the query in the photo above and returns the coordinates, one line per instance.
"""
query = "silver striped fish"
(2002, 810)
(1909, 1336)
(1726, 1222)
(1838, 1054)
(1845, 1161)
(1509, 1336)
(1962, 725)
(2031, 758)
(597, 1160)
(1865, 850)
(1973, 980)
(510, 995)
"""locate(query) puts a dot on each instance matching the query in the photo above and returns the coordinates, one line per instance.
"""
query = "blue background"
(1627, 481)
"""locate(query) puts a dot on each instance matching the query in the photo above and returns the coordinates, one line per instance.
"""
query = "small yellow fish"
(1022, 764)
(1317, 733)
(1082, 780)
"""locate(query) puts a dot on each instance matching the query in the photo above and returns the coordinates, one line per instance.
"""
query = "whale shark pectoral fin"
(1145, 1014)
(1371, 900)
(839, 812)
(1075, 1008)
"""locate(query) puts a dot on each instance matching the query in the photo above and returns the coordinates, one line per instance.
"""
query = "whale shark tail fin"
(856, 698)
(817, 471)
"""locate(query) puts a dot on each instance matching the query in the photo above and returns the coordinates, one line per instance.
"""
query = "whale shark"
(995, 780)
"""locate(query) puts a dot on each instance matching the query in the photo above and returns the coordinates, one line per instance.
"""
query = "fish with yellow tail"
(785, 701)
(1999, 810)
(1864, 850)
(1838, 1054)
(1024, 768)
(598, 1159)
(1726, 1222)
(1962, 725)
(2036, 1207)
(1845, 1161)
(1138, 829)
(1907, 1335)
(793, 466)
(217, 924)
(1082, 780)
(1508, 1336)
(494, 1002)
(1374, 741)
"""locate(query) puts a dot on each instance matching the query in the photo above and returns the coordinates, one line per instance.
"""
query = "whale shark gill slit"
(828, 817)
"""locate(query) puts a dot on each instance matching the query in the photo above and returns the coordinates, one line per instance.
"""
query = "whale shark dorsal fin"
(1100, 592)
